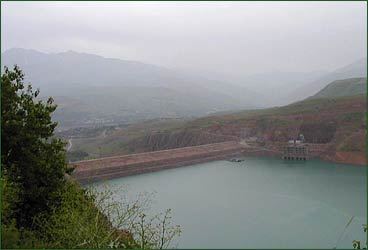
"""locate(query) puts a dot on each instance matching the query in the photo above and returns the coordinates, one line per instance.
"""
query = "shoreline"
(119, 166)
(88, 171)
(345, 158)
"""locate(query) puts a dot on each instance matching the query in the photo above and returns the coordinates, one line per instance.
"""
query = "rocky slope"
(337, 122)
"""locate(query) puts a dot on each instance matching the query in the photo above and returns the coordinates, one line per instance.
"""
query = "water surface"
(259, 203)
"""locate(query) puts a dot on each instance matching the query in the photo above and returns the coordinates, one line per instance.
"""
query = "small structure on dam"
(296, 149)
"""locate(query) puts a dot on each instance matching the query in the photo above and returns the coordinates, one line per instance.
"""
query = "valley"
(183, 125)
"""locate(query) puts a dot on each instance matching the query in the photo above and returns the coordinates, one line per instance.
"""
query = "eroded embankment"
(355, 158)
(113, 167)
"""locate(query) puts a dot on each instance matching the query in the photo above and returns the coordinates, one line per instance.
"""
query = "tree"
(43, 209)
(32, 159)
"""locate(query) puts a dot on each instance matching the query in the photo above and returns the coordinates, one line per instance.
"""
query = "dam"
(295, 152)
(87, 171)
(113, 167)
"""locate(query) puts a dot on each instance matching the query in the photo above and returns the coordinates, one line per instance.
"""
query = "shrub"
(91, 219)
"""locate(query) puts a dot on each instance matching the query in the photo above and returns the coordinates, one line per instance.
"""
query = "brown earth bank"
(356, 158)
(334, 127)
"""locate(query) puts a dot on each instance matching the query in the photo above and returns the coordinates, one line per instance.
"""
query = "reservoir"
(258, 203)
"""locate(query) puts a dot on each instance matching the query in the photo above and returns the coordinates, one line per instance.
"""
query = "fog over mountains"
(355, 69)
(92, 89)
(281, 88)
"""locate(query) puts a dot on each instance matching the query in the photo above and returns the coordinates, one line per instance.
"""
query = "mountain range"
(282, 88)
(353, 70)
(93, 90)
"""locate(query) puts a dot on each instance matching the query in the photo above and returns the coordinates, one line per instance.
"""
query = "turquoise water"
(259, 203)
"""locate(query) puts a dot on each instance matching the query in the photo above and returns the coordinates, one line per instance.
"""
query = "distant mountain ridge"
(281, 88)
(91, 89)
(73, 68)
(122, 90)
(353, 70)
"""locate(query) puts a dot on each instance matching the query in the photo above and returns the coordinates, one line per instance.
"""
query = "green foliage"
(31, 158)
(87, 218)
(354, 116)
(13, 237)
(41, 206)
(76, 222)
(9, 199)
(345, 87)
(352, 144)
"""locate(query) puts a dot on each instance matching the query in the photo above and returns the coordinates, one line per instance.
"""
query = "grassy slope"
(345, 87)
(118, 139)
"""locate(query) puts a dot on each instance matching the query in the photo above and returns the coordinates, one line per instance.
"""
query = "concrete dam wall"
(119, 166)
(113, 167)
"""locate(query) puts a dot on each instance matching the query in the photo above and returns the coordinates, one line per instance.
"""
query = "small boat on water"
(236, 160)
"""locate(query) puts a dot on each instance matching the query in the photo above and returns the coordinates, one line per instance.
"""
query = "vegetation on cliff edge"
(41, 206)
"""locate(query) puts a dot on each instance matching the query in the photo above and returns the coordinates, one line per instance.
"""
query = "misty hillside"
(345, 87)
(91, 89)
(353, 70)
(277, 85)
(282, 88)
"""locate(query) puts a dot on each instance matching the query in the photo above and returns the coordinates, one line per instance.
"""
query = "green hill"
(345, 87)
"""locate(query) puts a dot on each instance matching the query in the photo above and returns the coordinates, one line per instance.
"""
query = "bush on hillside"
(88, 218)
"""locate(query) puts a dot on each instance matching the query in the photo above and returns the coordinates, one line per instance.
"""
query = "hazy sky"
(224, 37)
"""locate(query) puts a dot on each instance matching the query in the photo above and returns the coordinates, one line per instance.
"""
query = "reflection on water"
(259, 203)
